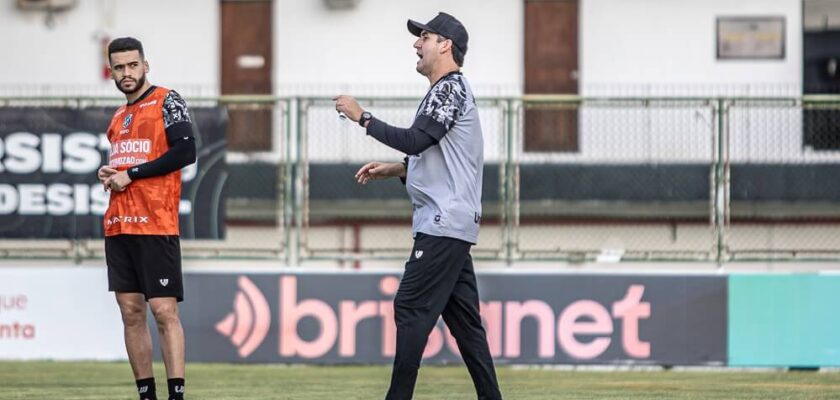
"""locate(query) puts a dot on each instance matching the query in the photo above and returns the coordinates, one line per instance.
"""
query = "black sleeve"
(180, 154)
(179, 135)
(424, 133)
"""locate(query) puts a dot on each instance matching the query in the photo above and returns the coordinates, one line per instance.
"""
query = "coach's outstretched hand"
(379, 170)
(349, 106)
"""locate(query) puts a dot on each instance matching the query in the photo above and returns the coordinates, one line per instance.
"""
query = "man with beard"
(443, 175)
(151, 140)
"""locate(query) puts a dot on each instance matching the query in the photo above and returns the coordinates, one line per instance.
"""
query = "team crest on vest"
(418, 253)
(127, 120)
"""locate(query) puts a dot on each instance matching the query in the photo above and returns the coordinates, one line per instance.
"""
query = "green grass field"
(112, 381)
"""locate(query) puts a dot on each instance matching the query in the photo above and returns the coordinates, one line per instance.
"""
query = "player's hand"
(118, 181)
(104, 173)
(378, 170)
(349, 106)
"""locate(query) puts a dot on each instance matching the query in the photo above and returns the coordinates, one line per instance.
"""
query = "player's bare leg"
(165, 310)
(138, 340)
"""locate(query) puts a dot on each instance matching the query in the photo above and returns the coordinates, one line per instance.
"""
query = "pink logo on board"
(248, 324)
(582, 330)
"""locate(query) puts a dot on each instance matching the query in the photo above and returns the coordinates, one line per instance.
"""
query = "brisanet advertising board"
(347, 317)
(529, 318)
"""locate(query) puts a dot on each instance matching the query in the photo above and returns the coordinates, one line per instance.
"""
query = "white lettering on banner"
(98, 200)
(60, 199)
(51, 151)
(22, 153)
(32, 199)
(77, 152)
(82, 154)
(8, 199)
(53, 199)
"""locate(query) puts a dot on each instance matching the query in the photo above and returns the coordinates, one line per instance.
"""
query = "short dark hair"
(125, 44)
(457, 53)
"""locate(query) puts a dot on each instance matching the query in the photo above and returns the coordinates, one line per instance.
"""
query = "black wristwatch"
(366, 116)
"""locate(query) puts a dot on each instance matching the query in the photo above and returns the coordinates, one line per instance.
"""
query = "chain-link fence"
(566, 178)
(257, 187)
(341, 219)
(610, 179)
(783, 156)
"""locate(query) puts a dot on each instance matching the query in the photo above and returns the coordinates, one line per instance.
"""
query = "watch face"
(366, 116)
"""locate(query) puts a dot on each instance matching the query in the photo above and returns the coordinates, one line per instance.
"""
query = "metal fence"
(566, 178)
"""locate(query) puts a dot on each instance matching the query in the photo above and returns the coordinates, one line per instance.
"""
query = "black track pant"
(439, 280)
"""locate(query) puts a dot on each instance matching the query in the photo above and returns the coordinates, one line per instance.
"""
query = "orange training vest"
(148, 206)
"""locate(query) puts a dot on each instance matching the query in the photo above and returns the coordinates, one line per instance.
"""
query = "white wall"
(627, 46)
(667, 45)
(180, 39)
(370, 49)
(316, 50)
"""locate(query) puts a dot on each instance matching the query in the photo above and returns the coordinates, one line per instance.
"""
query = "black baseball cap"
(445, 25)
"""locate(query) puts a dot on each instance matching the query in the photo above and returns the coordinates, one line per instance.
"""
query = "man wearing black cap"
(442, 173)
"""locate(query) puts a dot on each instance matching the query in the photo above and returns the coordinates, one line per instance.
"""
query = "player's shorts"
(147, 264)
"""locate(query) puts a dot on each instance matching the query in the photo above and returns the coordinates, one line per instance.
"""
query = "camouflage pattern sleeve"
(446, 103)
(175, 109)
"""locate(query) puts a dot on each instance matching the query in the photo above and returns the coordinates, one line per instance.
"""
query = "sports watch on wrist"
(366, 116)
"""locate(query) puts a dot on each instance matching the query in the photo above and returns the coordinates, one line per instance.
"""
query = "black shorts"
(148, 264)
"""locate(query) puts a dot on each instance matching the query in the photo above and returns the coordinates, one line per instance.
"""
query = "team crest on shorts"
(164, 282)
(127, 120)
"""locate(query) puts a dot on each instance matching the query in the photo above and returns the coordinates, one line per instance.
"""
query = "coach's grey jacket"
(444, 181)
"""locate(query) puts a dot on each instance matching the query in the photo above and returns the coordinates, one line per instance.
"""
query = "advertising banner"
(66, 313)
(48, 162)
(784, 320)
(530, 318)
(58, 314)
